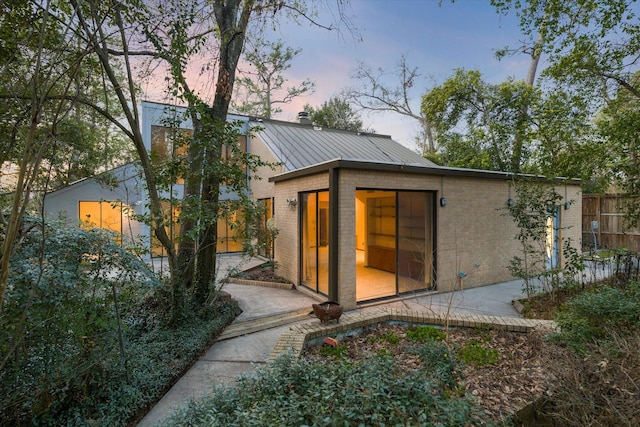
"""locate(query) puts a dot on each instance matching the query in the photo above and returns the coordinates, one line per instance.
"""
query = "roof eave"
(414, 169)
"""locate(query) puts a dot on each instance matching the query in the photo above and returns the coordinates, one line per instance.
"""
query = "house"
(360, 217)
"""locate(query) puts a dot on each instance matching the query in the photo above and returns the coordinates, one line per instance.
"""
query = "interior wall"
(360, 221)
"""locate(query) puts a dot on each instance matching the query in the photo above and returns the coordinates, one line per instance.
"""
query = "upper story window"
(171, 144)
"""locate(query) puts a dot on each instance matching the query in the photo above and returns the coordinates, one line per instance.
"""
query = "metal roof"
(300, 146)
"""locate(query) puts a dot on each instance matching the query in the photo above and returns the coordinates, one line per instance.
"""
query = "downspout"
(334, 236)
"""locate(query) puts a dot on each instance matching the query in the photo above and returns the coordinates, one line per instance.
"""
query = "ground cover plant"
(83, 336)
(369, 391)
(388, 375)
(595, 362)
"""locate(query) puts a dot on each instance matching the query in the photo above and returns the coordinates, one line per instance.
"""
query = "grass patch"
(424, 333)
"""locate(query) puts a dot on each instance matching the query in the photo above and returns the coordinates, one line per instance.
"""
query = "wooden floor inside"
(373, 283)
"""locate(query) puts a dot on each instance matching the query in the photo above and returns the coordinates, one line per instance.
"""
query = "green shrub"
(389, 337)
(477, 354)
(331, 351)
(590, 315)
(297, 392)
(71, 357)
(423, 333)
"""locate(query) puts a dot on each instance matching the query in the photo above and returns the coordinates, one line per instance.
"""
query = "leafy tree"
(261, 88)
(336, 113)
(376, 95)
(39, 86)
(112, 37)
(513, 127)
(107, 28)
(229, 21)
(478, 124)
(592, 48)
(618, 125)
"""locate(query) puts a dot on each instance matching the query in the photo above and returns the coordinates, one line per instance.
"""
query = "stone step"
(263, 323)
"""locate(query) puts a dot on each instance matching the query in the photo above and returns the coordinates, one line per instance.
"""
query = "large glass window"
(101, 214)
(228, 226)
(265, 238)
(315, 241)
(228, 239)
(168, 144)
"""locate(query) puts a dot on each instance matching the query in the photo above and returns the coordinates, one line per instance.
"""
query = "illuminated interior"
(101, 214)
(227, 232)
(394, 243)
(265, 241)
(167, 144)
(315, 241)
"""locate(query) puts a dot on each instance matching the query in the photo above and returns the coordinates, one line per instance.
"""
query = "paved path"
(268, 313)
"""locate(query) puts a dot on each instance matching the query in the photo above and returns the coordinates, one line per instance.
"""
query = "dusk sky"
(435, 38)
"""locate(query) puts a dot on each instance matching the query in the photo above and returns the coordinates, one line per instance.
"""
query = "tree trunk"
(193, 180)
(232, 24)
(516, 157)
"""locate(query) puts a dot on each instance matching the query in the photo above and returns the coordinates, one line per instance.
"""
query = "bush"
(372, 391)
(81, 334)
(589, 316)
(597, 384)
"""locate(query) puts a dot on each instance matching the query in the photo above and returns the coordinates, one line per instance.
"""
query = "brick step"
(263, 323)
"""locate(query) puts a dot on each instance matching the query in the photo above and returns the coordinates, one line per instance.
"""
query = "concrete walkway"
(267, 313)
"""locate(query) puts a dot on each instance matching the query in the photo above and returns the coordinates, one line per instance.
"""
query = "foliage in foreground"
(82, 333)
(597, 364)
(372, 391)
(591, 316)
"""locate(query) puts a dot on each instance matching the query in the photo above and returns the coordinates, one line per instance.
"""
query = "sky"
(436, 37)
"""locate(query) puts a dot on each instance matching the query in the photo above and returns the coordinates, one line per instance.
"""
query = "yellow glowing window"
(102, 214)
(168, 144)
(228, 240)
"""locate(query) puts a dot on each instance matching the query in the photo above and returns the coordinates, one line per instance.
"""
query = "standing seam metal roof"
(298, 146)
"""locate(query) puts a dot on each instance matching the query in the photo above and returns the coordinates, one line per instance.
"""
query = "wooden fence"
(611, 231)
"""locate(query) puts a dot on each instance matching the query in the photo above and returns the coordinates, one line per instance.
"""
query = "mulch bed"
(517, 379)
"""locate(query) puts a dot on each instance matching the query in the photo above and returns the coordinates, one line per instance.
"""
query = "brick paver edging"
(294, 340)
(262, 283)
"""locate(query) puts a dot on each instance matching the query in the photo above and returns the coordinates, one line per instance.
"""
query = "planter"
(328, 310)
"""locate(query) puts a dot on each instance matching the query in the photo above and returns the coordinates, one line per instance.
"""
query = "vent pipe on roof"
(303, 118)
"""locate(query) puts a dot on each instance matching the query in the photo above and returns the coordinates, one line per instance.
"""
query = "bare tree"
(261, 87)
(375, 94)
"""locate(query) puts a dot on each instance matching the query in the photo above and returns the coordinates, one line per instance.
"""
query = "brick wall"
(287, 244)
(474, 233)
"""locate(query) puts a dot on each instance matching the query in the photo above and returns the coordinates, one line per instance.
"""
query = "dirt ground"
(515, 379)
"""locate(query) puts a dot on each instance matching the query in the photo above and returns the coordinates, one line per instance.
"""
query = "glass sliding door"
(375, 277)
(415, 241)
(396, 255)
(315, 241)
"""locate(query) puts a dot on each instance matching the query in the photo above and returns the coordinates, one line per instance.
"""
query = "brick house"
(360, 217)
